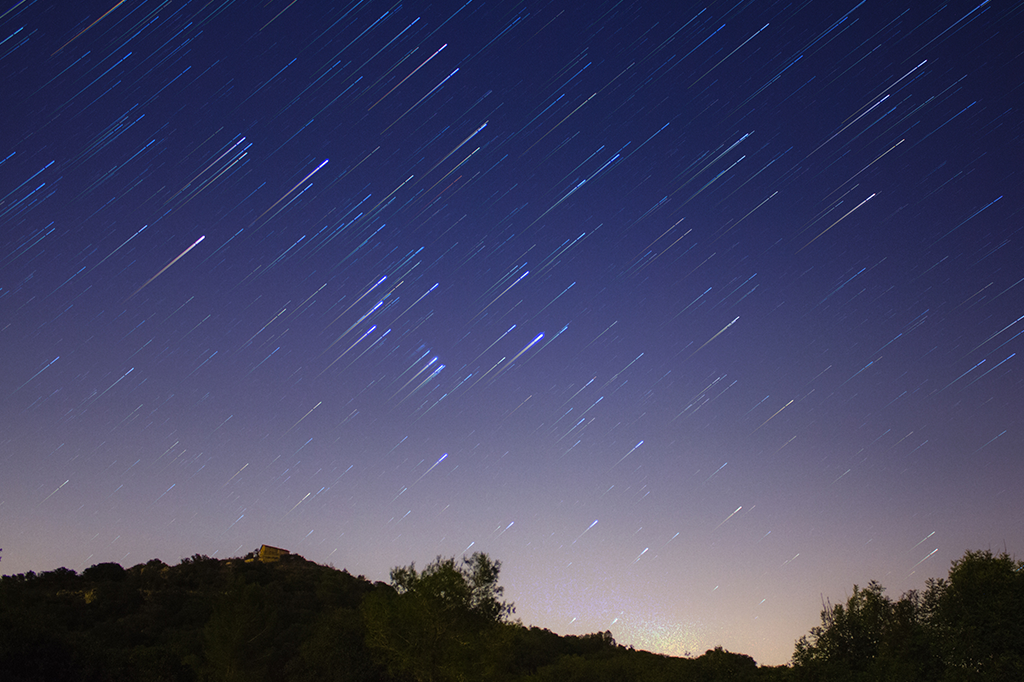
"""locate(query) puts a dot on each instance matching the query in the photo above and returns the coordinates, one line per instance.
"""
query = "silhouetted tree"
(978, 616)
(844, 646)
(719, 664)
(968, 626)
(442, 623)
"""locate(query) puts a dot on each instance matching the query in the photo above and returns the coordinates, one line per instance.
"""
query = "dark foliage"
(242, 619)
(969, 626)
(204, 619)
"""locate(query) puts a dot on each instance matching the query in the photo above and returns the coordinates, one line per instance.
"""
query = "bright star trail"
(745, 282)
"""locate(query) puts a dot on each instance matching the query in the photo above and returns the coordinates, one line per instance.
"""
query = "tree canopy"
(208, 619)
(441, 623)
(968, 626)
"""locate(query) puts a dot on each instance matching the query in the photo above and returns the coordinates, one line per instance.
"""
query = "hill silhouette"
(272, 615)
(293, 619)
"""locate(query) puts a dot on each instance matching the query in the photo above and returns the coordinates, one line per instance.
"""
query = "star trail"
(689, 315)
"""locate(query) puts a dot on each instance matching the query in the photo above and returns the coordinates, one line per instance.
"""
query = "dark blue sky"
(689, 315)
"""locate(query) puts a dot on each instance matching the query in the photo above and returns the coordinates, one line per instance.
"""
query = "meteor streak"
(322, 164)
(728, 517)
(774, 415)
(409, 76)
(432, 91)
(194, 244)
(85, 29)
(836, 222)
(627, 454)
(516, 356)
(431, 467)
(712, 338)
(457, 148)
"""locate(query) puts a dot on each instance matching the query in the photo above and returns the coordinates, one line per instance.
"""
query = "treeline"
(967, 627)
(243, 619)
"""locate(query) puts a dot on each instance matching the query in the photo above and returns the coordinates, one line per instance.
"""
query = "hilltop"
(293, 619)
(275, 615)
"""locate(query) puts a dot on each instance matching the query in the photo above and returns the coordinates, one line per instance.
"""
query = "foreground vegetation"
(964, 628)
(243, 619)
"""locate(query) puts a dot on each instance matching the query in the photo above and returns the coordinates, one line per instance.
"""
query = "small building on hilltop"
(270, 554)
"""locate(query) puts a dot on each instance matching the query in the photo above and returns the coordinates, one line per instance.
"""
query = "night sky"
(690, 316)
